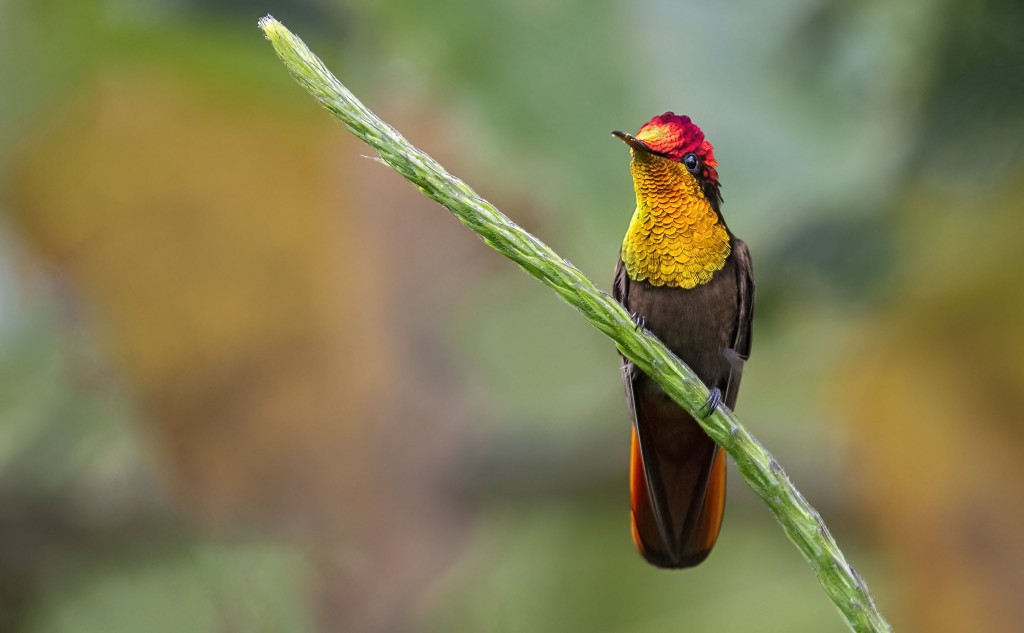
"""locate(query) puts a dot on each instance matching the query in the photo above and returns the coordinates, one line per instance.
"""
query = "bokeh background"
(250, 380)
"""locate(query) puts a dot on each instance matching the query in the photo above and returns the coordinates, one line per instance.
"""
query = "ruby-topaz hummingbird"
(687, 279)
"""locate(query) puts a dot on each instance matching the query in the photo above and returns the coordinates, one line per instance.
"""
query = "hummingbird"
(687, 279)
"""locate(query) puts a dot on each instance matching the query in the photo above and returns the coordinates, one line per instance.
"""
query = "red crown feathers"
(675, 136)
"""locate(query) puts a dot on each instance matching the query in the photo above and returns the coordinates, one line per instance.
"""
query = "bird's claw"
(639, 320)
(713, 401)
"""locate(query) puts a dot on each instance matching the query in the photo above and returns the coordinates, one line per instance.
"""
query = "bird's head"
(676, 138)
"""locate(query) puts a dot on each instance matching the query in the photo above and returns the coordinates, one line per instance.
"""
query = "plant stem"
(801, 522)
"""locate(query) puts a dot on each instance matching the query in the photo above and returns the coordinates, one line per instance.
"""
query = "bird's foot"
(639, 320)
(714, 399)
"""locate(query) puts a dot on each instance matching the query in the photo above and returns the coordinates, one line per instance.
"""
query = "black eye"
(691, 162)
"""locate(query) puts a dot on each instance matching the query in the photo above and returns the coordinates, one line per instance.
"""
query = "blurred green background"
(250, 380)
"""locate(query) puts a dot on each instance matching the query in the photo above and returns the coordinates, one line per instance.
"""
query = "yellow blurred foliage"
(934, 411)
(202, 241)
(220, 251)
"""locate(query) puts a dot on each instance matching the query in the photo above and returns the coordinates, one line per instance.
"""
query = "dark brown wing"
(651, 525)
(745, 274)
(620, 284)
(740, 351)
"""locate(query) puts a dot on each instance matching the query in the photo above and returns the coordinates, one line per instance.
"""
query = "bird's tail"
(678, 499)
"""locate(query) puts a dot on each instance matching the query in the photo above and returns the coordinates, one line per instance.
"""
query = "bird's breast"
(697, 324)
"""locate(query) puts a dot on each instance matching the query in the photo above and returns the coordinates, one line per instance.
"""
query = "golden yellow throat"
(675, 238)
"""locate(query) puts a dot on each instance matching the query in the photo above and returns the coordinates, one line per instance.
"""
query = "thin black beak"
(634, 142)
